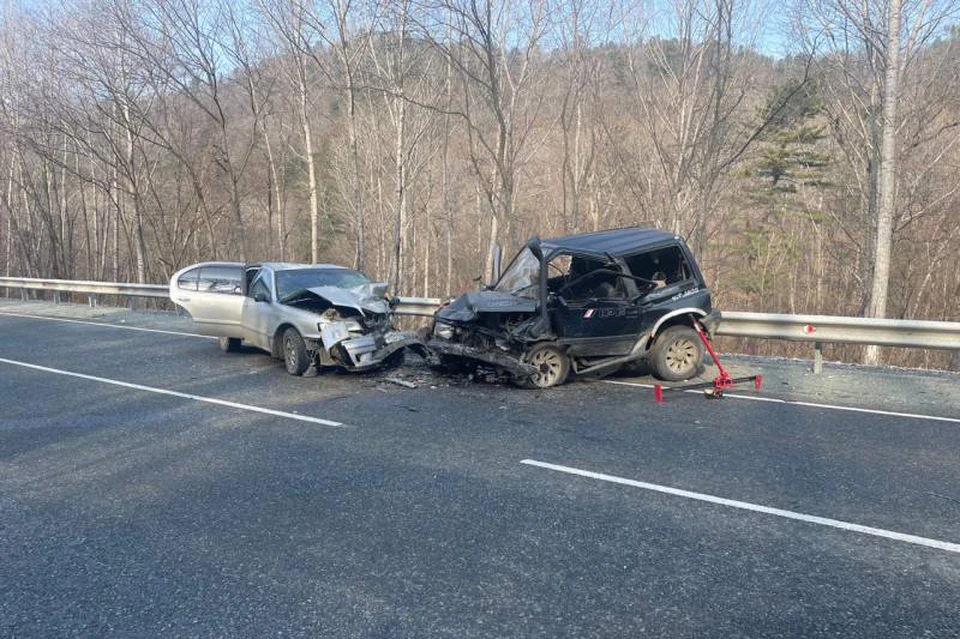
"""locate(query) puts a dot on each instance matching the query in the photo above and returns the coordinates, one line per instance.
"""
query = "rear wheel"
(229, 344)
(295, 357)
(677, 354)
(553, 366)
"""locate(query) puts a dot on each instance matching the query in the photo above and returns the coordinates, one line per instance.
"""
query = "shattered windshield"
(294, 280)
(522, 277)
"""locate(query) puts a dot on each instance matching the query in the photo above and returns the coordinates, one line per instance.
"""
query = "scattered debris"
(400, 382)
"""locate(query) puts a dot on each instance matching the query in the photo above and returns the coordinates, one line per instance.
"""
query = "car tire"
(552, 363)
(229, 344)
(295, 358)
(677, 354)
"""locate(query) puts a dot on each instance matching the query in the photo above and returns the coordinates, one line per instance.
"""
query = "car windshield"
(293, 280)
(522, 277)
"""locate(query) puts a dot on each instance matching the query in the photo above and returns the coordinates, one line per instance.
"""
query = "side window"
(575, 277)
(219, 279)
(665, 267)
(260, 286)
(188, 281)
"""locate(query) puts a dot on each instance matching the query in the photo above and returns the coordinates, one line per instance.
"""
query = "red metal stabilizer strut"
(720, 383)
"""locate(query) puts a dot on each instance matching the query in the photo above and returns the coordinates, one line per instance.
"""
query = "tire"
(677, 354)
(229, 344)
(553, 365)
(295, 358)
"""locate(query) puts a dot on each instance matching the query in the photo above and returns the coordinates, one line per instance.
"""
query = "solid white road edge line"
(788, 514)
(106, 325)
(794, 402)
(172, 393)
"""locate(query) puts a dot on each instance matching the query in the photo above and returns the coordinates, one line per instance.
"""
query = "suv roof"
(613, 241)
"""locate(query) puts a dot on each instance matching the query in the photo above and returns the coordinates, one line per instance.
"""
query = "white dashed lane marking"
(106, 325)
(173, 393)
(743, 505)
(792, 402)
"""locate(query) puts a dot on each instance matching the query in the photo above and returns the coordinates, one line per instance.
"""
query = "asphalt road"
(359, 508)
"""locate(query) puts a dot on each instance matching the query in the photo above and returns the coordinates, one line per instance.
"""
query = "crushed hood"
(366, 298)
(466, 307)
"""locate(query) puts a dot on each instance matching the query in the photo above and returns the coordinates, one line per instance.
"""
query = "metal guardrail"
(818, 329)
(91, 288)
(842, 330)
(418, 306)
(833, 329)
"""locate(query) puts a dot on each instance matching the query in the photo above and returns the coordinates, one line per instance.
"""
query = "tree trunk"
(888, 175)
(312, 183)
(8, 235)
(399, 219)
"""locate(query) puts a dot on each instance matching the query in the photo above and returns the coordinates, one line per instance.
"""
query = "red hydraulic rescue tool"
(720, 383)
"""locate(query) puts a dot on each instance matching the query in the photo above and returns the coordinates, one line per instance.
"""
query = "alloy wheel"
(549, 365)
(681, 356)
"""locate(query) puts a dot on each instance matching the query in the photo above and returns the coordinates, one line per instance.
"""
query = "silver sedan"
(306, 314)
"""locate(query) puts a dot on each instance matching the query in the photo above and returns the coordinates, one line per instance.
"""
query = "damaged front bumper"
(368, 352)
(363, 352)
(499, 359)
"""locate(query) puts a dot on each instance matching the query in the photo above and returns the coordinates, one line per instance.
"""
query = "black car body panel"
(600, 297)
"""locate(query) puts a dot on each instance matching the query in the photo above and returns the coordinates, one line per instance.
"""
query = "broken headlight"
(351, 325)
(443, 331)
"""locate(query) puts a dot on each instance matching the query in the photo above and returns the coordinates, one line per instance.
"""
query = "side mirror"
(260, 296)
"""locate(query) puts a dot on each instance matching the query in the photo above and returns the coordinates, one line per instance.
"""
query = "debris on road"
(400, 382)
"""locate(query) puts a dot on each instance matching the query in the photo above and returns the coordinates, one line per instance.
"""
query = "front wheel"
(294, 352)
(677, 354)
(553, 366)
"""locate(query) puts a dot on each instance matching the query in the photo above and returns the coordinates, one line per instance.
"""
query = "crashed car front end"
(348, 328)
(586, 304)
(488, 328)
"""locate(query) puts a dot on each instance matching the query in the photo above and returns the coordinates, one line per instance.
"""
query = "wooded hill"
(406, 137)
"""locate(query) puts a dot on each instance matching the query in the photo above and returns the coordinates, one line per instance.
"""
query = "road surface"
(151, 485)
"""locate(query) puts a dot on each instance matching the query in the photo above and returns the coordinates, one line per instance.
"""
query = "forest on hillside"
(407, 137)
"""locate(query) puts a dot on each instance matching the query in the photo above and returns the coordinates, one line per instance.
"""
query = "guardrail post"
(56, 297)
(817, 358)
(133, 303)
(92, 300)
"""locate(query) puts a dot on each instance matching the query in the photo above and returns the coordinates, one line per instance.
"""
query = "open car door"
(212, 293)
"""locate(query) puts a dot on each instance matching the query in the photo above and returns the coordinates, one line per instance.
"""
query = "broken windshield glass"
(522, 277)
(292, 280)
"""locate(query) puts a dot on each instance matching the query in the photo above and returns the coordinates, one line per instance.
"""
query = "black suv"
(589, 303)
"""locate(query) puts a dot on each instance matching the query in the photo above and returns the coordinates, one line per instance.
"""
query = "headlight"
(351, 325)
(443, 331)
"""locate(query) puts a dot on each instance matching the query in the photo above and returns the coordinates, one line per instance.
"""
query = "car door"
(211, 294)
(591, 308)
(258, 315)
